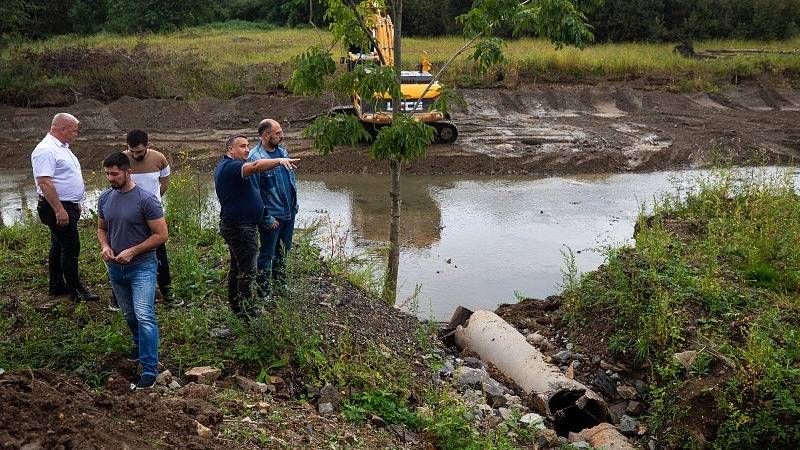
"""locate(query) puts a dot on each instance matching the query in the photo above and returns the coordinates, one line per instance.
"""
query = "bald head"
(64, 127)
(270, 133)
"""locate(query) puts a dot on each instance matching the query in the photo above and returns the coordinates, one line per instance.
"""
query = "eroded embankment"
(551, 129)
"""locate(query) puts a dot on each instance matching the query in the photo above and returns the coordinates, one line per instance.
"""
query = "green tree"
(13, 17)
(561, 21)
(137, 16)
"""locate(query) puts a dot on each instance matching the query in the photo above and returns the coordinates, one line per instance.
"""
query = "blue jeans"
(134, 286)
(275, 245)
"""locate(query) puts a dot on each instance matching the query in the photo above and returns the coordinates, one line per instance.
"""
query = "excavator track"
(446, 132)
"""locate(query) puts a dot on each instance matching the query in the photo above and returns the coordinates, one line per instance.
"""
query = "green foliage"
(348, 26)
(386, 405)
(371, 82)
(131, 16)
(676, 20)
(334, 130)
(715, 268)
(488, 52)
(313, 66)
(405, 140)
(449, 421)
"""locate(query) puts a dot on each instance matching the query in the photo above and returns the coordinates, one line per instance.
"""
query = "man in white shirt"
(59, 183)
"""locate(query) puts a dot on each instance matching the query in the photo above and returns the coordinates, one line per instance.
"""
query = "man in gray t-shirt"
(130, 225)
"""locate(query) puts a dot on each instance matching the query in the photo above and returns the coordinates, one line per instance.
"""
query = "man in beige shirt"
(150, 171)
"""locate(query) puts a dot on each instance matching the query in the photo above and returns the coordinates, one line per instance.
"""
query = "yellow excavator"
(377, 112)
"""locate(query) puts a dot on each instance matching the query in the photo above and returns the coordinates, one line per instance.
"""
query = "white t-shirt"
(53, 159)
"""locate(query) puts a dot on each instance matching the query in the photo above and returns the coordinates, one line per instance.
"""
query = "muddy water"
(471, 241)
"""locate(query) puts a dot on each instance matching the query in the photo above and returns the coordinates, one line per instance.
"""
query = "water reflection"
(475, 242)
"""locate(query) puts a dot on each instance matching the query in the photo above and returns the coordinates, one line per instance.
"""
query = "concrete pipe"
(571, 405)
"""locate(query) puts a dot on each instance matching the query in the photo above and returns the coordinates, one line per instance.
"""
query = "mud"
(42, 409)
(544, 130)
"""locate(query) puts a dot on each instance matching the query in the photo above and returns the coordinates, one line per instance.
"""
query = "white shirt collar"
(59, 143)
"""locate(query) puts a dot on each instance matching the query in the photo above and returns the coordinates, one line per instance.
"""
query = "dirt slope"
(548, 129)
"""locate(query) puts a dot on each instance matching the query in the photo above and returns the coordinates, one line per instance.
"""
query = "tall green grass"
(714, 269)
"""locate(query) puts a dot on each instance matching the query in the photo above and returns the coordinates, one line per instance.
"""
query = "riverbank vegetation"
(326, 331)
(229, 59)
(706, 308)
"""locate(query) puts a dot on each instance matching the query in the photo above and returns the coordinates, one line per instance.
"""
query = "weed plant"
(714, 269)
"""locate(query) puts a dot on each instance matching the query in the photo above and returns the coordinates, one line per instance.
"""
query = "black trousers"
(163, 276)
(65, 247)
(242, 240)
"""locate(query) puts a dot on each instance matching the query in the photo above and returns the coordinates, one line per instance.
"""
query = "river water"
(472, 241)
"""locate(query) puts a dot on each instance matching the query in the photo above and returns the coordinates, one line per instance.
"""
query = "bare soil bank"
(540, 130)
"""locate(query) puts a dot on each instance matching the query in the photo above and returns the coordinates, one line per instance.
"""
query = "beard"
(118, 185)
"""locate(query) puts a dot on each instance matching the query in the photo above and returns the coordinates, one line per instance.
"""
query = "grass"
(714, 269)
(226, 60)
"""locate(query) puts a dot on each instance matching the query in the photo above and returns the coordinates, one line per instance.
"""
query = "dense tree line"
(613, 20)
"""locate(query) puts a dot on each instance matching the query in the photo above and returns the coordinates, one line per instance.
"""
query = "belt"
(42, 199)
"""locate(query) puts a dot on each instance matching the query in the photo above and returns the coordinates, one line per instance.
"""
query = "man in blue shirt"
(278, 188)
(240, 213)
(130, 225)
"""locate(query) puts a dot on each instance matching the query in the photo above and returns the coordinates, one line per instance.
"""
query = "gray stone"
(617, 410)
(174, 385)
(2, 371)
(376, 421)
(220, 332)
(634, 408)
(325, 408)
(474, 363)
(493, 421)
(329, 394)
(164, 378)
(447, 369)
(533, 420)
(251, 386)
(203, 431)
(484, 411)
(513, 399)
(581, 444)
(468, 377)
(472, 397)
(535, 338)
(627, 392)
(403, 434)
(495, 393)
(505, 413)
(628, 425)
(605, 384)
(686, 359)
(561, 358)
(203, 375)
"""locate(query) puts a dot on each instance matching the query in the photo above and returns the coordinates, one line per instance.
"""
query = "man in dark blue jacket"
(241, 211)
(278, 189)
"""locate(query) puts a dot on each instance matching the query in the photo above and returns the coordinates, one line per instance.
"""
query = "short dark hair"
(265, 125)
(136, 138)
(231, 139)
(118, 159)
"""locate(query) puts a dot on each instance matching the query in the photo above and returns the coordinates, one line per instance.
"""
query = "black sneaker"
(145, 382)
(82, 295)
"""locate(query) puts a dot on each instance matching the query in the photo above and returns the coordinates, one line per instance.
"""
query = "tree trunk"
(390, 283)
